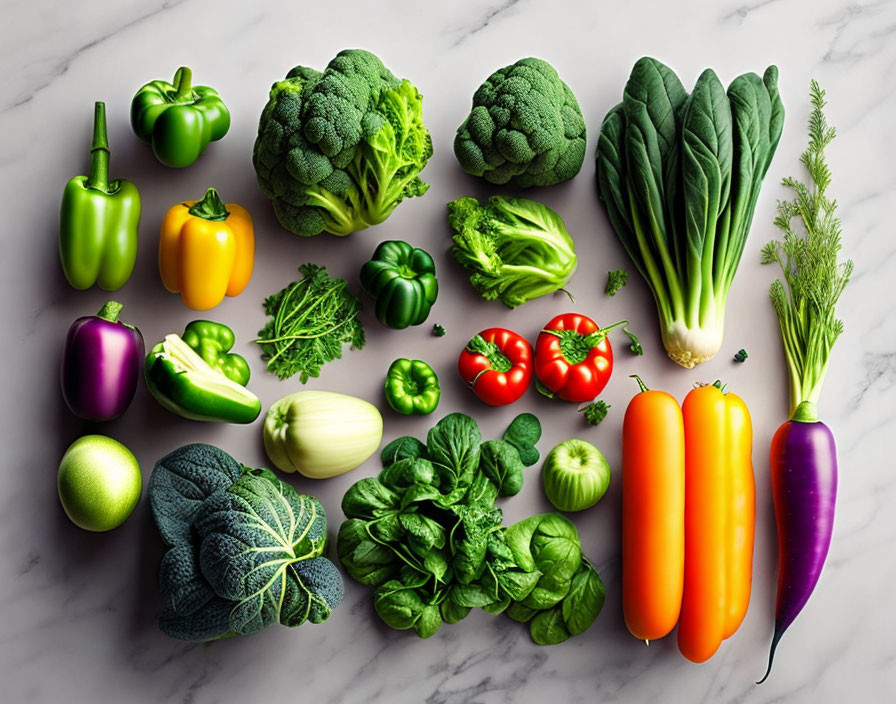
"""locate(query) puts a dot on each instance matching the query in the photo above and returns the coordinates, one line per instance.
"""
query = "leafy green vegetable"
(245, 550)
(310, 321)
(814, 277)
(595, 412)
(679, 176)
(741, 356)
(523, 433)
(427, 536)
(514, 248)
(615, 281)
(525, 128)
(338, 151)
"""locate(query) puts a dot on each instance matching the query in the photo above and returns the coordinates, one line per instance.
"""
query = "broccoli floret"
(516, 249)
(615, 281)
(337, 151)
(525, 127)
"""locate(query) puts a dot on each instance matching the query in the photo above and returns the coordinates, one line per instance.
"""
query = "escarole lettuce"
(679, 176)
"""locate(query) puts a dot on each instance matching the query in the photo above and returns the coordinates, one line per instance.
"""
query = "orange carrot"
(707, 517)
(739, 561)
(653, 495)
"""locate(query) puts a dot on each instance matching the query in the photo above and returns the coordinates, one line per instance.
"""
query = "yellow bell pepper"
(206, 250)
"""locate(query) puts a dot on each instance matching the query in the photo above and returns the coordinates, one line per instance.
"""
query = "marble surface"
(79, 609)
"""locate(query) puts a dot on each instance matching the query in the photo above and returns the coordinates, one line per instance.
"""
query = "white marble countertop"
(79, 609)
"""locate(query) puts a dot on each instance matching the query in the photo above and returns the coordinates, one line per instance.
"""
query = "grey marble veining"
(79, 609)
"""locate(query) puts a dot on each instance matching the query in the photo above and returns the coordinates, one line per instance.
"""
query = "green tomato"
(99, 482)
(576, 475)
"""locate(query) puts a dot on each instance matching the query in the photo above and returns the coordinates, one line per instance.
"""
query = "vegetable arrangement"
(245, 550)
(688, 514)
(427, 536)
(338, 151)
(679, 177)
(803, 453)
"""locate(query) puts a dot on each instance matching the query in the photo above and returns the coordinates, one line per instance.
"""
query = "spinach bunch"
(427, 536)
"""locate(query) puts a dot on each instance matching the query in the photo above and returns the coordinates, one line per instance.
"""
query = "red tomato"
(573, 357)
(497, 364)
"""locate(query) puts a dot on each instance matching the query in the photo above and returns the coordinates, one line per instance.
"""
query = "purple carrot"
(804, 489)
(803, 453)
(101, 365)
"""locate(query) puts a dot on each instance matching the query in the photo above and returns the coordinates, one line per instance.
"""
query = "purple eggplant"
(804, 489)
(101, 365)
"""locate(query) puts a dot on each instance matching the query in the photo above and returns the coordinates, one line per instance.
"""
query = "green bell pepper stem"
(98, 178)
(210, 207)
(183, 83)
(110, 311)
(412, 387)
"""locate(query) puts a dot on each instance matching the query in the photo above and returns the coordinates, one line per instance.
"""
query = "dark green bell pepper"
(178, 119)
(181, 381)
(98, 220)
(402, 279)
(412, 387)
(213, 342)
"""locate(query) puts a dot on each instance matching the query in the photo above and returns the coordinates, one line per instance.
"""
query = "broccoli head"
(525, 128)
(337, 151)
(515, 249)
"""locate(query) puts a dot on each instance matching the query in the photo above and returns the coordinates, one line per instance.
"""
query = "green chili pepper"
(98, 220)
(213, 342)
(412, 387)
(178, 119)
(402, 279)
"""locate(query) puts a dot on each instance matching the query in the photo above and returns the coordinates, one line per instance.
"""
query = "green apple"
(575, 475)
(99, 482)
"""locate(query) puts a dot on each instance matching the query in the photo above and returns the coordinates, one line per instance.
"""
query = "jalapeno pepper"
(213, 341)
(412, 387)
(98, 220)
(497, 364)
(178, 119)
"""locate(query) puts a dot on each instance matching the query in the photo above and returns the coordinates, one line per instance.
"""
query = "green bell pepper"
(178, 119)
(412, 387)
(213, 342)
(181, 381)
(402, 279)
(98, 220)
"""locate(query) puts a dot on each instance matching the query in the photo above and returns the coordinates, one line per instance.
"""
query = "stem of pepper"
(110, 311)
(210, 207)
(98, 178)
(183, 83)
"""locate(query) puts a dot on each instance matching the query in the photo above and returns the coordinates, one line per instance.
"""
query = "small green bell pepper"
(412, 387)
(213, 342)
(181, 381)
(178, 119)
(402, 279)
(98, 220)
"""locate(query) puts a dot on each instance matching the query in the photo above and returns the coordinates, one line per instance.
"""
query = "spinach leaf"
(472, 595)
(585, 599)
(453, 448)
(500, 462)
(403, 473)
(366, 560)
(520, 613)
(369, 499)
(402, 448)
(452, 612)
(523, 433)
(469, 540)
(548, 627)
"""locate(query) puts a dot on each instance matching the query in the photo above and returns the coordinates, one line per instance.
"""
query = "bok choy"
(679, 176)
